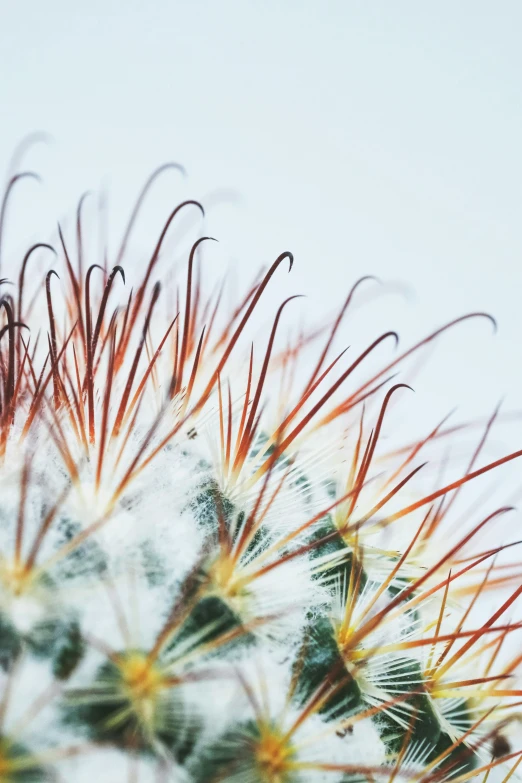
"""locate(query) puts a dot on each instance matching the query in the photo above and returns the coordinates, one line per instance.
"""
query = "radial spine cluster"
(212, 565)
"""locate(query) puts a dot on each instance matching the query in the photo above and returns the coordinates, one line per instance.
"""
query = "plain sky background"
(378, 137)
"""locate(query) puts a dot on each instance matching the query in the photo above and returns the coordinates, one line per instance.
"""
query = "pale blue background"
(380, 137)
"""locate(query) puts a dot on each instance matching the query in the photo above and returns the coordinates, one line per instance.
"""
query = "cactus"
(211, 567)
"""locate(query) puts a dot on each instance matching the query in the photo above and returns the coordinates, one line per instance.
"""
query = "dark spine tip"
(493, 322)
(121, 270)
(26, 175)
(81, 202)
(395, 336)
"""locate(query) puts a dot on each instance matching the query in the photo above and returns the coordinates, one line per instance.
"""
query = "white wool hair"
(322, 743)
(105, 765)
(286, 594)
(29, 701)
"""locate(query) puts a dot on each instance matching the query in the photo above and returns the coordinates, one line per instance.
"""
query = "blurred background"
(375, 138)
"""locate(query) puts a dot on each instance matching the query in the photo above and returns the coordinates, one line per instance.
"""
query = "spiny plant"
(211, 568)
